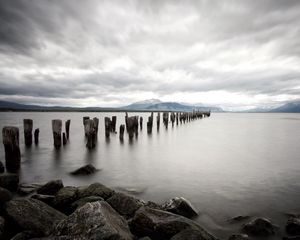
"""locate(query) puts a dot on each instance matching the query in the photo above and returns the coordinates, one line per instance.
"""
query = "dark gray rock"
(82, 201)
(1, 167)
(259, 227)
(188, 234)
(96, 189)
(9, 181)
(51, 188)
(2, 223)
(293, 226)
(5, 195)
(85, 170)
(145, 238)
(180, 206)
(33, 215)
(64, 198)
(48, 199)
(160, 225)
(96, 220)
(28, 188)
(124, 204)
(154, 205)
(239, 218)
(239, 237)
(25, 235)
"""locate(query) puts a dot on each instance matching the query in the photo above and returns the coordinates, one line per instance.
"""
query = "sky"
(235, 54)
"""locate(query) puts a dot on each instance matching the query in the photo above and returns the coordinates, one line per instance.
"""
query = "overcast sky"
(110, 53)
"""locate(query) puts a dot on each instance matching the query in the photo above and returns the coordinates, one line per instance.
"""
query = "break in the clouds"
(110, 53)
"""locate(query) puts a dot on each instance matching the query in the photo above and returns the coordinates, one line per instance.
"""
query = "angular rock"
(124, 204)
(180, 206)
(27, 188)
(51, 187)
(85, 170)
(96, 189)
(5, 195)
(259, 227)
(95, 220)
(1, 167)
(48, 199)
(161, 225)
(64, 198)
(9, 181)
(154, 205)
(293, 226)
(239, 237)
(33, 215)
(82, 201)
(25, 235)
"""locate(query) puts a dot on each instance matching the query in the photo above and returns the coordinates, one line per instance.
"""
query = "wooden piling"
(141, 123)
(84, 124)
(130, 127)
(56, 129)
(10, 136)
(158, 120)
(28, 124)
(107, 124)
(96, 125)
(64, 139)
(67, 127)
(121, 132)
(166, 119)
(36, 136)
(172, 118)
(113, 123)
(126, 122)
(91, 133)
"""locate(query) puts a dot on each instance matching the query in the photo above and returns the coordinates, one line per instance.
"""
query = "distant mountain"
(142, 105)
(292, 107)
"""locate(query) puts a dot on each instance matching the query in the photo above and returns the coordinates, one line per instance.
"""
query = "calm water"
(226, 165)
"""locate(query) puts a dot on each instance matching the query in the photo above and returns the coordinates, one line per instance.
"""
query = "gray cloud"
(113, 52)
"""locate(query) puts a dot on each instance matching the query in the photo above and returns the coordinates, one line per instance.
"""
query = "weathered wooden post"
(107, 123)
(126, 122)
(149, 125)
(64, 139)
(10, 136)
(177, 117)
(136, 125)
(130, 127)
(158, 121)
(141, 123)
(84, 124)
(166, 118)
(113, 123)
(172, 118)
(67, 127)
(96, 124)
(28, 123)
(91, 133)
(56, 129)
(121, 132)
(36, 136)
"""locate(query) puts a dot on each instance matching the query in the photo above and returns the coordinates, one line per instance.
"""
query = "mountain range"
(147, 105)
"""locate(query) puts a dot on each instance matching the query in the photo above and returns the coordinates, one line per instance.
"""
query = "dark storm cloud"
(56, 50)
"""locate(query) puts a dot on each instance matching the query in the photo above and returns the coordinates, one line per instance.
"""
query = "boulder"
(28, 188)
(96, 189)
(124, 204)
(85, 170)
(48, 199)
(239, 237)
(293, 226)
(96, 220)
(64, 198)
(25, 235)
(259, 227)
(158, 224)
(9, 181)
(180, 206)
(51, 188)
(2, 169)
(82, 201)
(32, 215)
(5, 195)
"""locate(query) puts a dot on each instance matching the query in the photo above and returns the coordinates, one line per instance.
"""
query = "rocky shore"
(55, 211)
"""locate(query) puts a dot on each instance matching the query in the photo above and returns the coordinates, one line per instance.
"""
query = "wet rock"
(33, 215)
(180, 206)
(154, 205)
(5, 195)
(259, 227)
(1, 167)
(97, 220)
(2, 223)
(124, 204)
(96, 189)
(48, 199)
(159, 224)
(28, 188)
(64, 198)
(9, 181)
(25, 235)
(85, 170)
(239, 237)
(188, 234)
(51, 188)
(293, 226)
(82, 201)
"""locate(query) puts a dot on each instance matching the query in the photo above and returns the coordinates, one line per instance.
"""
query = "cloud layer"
(110, 53)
